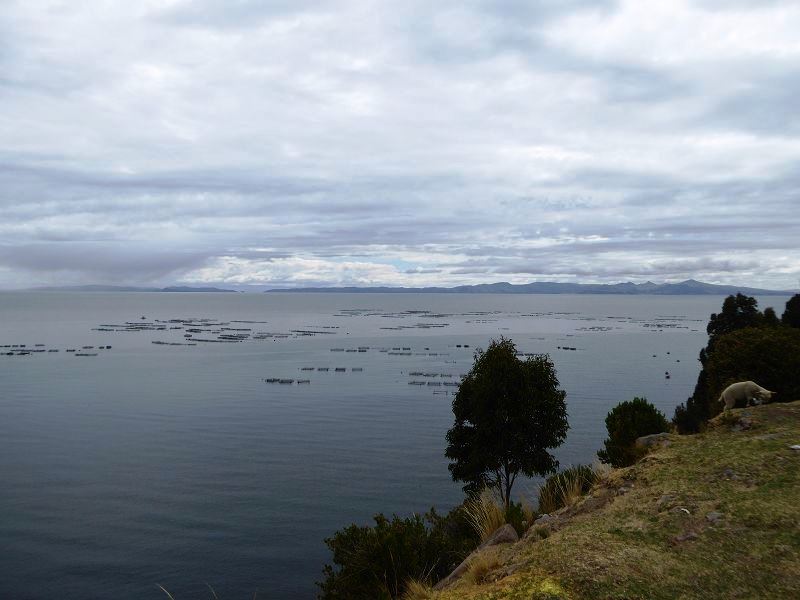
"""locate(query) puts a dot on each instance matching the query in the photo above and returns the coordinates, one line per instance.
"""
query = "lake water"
(179, 465)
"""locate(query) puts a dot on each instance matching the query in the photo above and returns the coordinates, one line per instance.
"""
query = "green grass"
(642, 545)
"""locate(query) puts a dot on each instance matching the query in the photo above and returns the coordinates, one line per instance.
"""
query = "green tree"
(770, 318)
(508, 414)
(626, 422)
(738, 312)
(791, 316)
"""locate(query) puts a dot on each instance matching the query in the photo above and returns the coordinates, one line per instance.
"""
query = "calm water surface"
(179, 465)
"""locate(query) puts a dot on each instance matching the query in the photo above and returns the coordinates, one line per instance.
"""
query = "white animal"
(744, 390)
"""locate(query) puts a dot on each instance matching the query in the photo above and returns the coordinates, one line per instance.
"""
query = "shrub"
(562, 489)
(379, 561)
(375, 562)
(454, 535)
(517, 517)
(626, 422)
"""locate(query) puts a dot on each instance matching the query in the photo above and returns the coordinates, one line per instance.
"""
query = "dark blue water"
(178, 465)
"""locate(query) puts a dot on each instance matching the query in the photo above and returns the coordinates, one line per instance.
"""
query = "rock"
(664, 500)
(505, 535)
(714, 517)
(593, 503)
(652, 441)
(685, 537)
(544, 520)
(743, 424)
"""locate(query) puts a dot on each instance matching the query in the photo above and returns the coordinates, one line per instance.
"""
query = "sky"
(288, 143)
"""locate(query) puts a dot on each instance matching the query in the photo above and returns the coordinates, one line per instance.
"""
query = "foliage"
(770, 318)
(738, 312)
(454, 535)
(379, 561)
(791, 316)
(768, 356)
(517, 517)
(626, 422)
(508, 413)
(563, 488)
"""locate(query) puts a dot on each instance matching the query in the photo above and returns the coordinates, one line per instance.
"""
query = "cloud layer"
(375, 143)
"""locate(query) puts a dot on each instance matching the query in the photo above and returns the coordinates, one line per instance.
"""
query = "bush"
(453, 535)
(517, 517)
(768, 356)
(563, 488)
(379, 561)
(626, 422)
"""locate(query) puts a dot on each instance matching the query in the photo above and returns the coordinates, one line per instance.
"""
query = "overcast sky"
(293, 143)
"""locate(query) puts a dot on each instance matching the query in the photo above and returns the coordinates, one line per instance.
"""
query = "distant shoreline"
(685, 288)
(689, 287)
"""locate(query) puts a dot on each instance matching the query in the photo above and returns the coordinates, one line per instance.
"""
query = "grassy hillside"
(715, 515)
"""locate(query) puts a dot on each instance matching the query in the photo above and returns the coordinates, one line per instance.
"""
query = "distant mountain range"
(126, 288)
(690, 287)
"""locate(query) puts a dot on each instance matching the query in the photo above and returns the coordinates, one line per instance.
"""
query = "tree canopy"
(791, 316)
(508, 414)
(738, 312)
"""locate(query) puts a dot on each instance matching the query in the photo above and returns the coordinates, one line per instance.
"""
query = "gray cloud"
(299, 143)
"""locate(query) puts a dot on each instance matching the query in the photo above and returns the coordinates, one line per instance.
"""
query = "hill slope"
(713, 515)
(690, 287)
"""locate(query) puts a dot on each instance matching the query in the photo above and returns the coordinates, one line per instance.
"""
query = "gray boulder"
(504, 535)
(653, 440)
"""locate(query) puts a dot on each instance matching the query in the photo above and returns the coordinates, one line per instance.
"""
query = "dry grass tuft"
(485, 513)
(601, 470)
(565, 488)
(418, 590)
(480, 567)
